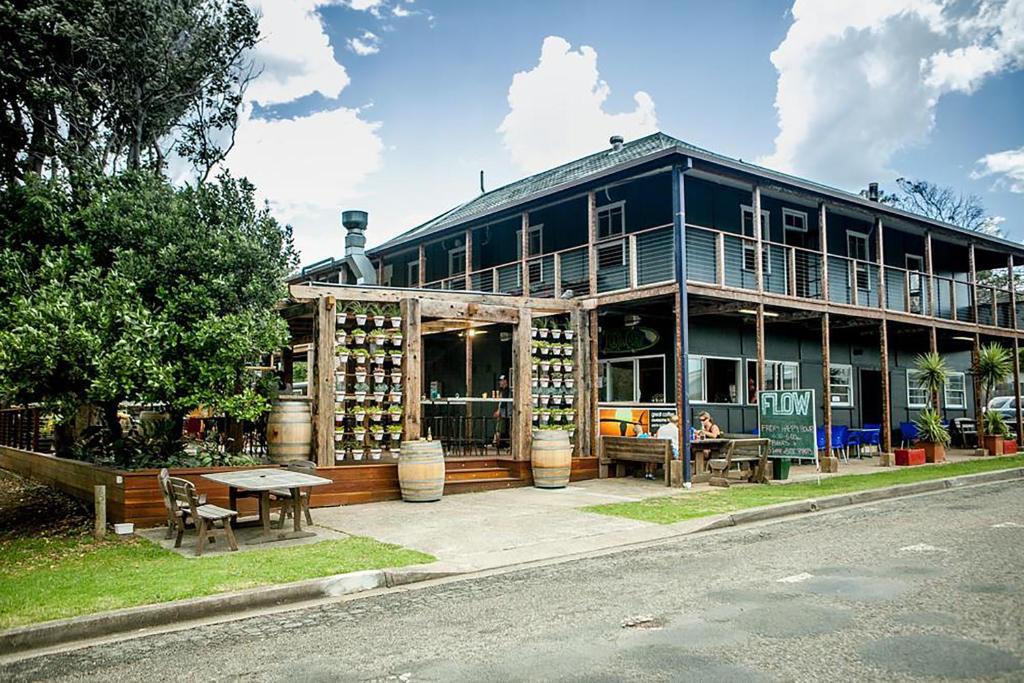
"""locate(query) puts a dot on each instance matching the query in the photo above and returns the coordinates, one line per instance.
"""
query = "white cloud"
(307, 167)
(858, 83)
(366, 44)
(556, 109)
(1008, 166)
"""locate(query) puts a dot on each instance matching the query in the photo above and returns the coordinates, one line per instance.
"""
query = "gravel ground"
(914, 589)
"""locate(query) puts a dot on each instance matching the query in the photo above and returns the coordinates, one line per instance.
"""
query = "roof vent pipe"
(616, 142)
(873, 192)
(355, 247)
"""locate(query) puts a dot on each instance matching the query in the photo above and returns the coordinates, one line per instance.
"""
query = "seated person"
(708, 428)
(670, 431)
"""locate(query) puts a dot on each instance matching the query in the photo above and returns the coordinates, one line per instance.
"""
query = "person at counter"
(708, 428)
(502, 414)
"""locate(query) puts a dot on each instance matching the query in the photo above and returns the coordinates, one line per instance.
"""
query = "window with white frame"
(955, 390)
(857, 249)
(779, 375)
(794, 220)
(840, 381)
(719, 379)
(412, 272)
(457, 261)
(611, 219)
(640, 379)
(535, 245)
(749, 248)
(917, 390)
(695, 379)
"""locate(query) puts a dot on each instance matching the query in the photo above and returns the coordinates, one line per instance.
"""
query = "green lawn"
(669, 509)
(43, 578)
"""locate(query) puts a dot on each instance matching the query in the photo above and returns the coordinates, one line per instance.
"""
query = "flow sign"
(788, 418)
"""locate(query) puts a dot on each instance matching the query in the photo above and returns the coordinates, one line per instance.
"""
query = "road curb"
(92, 626)
(869, 496)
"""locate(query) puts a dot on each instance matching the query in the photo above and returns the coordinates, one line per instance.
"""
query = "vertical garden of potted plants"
(932, 435)
(992, 367)
(551, 382)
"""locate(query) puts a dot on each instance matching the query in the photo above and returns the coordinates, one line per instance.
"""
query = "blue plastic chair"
(872, 434)
(821, 438)
(908, 433)
(853, 440)
(840, 433)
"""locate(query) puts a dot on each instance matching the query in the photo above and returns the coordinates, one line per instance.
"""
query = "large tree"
(145, 293)
(941, 203)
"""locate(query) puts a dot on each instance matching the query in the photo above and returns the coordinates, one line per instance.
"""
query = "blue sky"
(395, 106)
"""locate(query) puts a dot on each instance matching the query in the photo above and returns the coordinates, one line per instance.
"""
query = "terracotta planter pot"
(933, 452)
(906, 457)
(1009, 447)
(994, 445)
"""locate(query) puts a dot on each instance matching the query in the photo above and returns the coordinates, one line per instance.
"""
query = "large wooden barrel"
(421, 471)
(552, 458)
(289, 430)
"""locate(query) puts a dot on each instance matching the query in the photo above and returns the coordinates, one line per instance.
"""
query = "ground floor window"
(841, 384)
(714, 380)
(779, 375)
(956, 390)
(634, 380)
(917, 392)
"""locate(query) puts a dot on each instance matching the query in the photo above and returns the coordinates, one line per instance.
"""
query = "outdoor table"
(264, 481)
(703, 450)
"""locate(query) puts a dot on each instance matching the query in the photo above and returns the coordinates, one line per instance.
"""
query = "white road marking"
(1005, 525)
(796, 578)
(923, 548)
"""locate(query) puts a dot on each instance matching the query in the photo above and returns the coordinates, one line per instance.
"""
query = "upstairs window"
(794, 220)
(611, 220)
(413, 274)
(457, 261)
(535, 244)
(749, 249)
(857, 249)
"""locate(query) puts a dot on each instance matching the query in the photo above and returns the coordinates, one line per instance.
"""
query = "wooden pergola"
(311, 312)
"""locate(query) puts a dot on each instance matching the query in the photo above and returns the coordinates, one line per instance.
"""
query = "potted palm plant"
(932, 435)
(932, 373)
(991, 368)
(996, 432)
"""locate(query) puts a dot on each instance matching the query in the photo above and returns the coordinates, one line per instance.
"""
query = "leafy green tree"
(145, 292)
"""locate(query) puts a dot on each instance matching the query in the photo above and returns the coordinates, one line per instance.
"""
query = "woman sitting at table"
(708, 428)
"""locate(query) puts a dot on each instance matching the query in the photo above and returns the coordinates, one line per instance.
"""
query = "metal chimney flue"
(616, 142)
(873, 192)
(355, 223)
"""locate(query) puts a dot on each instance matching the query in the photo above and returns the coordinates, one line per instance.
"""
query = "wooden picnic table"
(264, 481)
(706, 450)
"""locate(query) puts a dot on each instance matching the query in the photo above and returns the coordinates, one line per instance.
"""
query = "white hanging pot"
(379, 320)
(568, 335)
(556, 334)
(357, 455)
(360, 318)
(396, 321)
(543, 333)
(342, 316)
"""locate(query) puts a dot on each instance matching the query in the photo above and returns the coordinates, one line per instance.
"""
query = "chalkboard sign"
(788, 419)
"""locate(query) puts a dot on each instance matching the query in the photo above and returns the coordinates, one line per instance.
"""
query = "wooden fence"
(20, 428)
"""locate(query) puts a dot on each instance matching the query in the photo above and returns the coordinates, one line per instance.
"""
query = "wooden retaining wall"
(135, 496)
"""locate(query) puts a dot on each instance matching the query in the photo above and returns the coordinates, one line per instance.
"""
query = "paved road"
(927, 586)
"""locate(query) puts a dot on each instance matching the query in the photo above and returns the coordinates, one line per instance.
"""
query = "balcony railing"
(647, 257)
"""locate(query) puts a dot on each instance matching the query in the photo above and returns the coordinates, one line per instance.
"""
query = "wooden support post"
(524, 248)
(973, 289)
(593, 383)
(758, 247)
(557, 259)
(760, 343)
(591, 239)
(681, 384)
(469, 259)
(579, 323)
(720, 259)
(979, 421)
(1011, 279)
(933, 347)
(469, 382)
(99, 497)
(422, 267)
(851, 273)
(522, 430)
(883, 361)
(321, 381)
(823, 239)
(826, 380)
(287, 367)
(634, 268)
(791, 271)
(412, 369)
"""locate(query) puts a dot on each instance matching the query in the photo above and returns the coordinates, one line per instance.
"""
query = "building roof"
(633, 153)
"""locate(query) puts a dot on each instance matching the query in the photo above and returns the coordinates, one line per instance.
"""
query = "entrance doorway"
(870, 396)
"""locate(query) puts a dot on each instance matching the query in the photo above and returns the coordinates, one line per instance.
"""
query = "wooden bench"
(750, 454)
(616, 450)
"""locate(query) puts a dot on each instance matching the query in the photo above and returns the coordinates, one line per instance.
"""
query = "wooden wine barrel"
(421, 471)
(289, 430)
(551, 458)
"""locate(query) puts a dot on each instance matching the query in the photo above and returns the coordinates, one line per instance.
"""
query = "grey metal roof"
(633, 153)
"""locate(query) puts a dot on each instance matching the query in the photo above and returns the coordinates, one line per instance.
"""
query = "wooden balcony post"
(524, 249)
(791, 268)
(469, 259)
(592, 383)
(979, 422)
(557, 267)
(973, 288)
(579, 322)
(720, 258)
(591, 239)
(422, 266)
(412, 377)
(954, 315)
(321, 381)
(760, 343)
(633, 267)
(851, 269)
(906, 291)
(931, 309)
(522, 431)
(469, 382)
(823, 239)
(886, 436)
(881, 264)
(758, 247)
